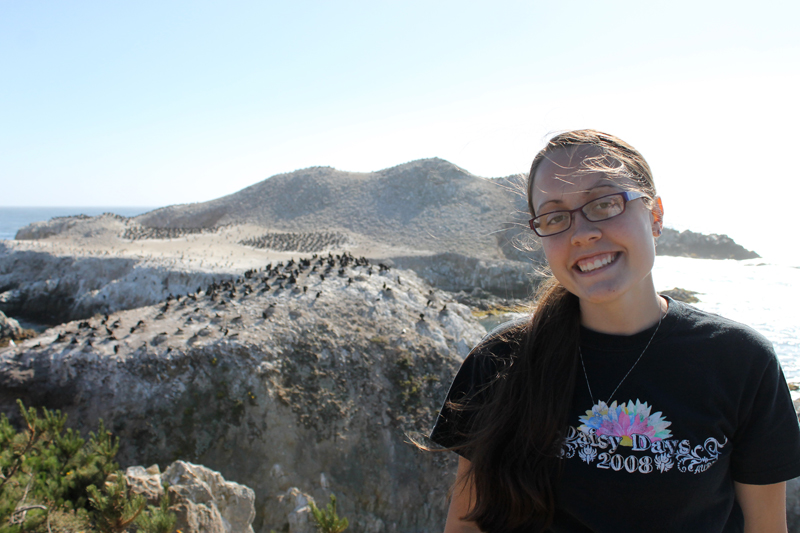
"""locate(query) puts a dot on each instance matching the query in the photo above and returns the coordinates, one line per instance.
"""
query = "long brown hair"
(514, 446)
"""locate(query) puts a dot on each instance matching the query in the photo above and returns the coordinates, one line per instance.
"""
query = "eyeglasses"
(603, 208)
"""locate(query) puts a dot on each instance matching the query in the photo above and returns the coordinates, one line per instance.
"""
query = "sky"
(156, 103)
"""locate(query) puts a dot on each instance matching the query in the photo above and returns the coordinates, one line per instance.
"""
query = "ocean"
(760, 293)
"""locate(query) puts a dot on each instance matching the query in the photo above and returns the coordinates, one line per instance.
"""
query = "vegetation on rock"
(49, 478)
(326, 519)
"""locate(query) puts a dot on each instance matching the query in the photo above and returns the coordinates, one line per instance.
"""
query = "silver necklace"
(653, 336)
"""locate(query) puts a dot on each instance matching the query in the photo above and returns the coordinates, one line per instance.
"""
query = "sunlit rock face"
(201, 499)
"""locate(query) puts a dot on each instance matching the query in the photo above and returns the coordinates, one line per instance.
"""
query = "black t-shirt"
(706, 405)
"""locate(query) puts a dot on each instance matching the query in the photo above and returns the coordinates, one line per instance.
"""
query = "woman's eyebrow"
(601, 183)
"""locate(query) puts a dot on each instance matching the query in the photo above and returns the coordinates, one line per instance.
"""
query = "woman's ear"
(658, 216)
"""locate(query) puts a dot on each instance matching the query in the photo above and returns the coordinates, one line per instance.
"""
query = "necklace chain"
(580, 353)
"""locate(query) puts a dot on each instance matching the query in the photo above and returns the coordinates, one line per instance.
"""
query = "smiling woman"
(603, 260)
(613, 406)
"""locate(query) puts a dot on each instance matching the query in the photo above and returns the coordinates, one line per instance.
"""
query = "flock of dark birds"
(297, 242)
(287, 275)
(292, 275)
(136, 232)
(281, 242)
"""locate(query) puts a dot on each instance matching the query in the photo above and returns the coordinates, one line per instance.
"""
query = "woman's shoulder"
(713, 331)
(510, 330)
(691, 318)
(503, 338)
(497, 348)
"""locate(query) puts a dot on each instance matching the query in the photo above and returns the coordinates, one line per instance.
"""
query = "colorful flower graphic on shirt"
(625, 420)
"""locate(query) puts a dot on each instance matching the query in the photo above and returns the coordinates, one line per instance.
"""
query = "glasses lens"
(551, 223)
(605, 207)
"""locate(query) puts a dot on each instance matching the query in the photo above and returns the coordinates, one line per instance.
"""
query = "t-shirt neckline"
(610, 342)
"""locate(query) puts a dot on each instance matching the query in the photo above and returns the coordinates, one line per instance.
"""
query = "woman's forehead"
(562, 170)
(561, 176)
(566, 161)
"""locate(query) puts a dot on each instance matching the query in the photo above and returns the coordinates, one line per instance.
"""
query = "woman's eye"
(606, 207)
(555, 219)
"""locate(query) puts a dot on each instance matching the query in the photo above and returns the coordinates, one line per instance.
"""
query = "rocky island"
(292, 336)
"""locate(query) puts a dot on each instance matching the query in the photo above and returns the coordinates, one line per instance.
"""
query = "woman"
(614, 408)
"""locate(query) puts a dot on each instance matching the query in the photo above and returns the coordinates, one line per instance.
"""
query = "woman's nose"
(583, 230)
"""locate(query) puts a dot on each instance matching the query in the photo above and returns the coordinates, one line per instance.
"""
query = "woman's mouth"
(595, 262)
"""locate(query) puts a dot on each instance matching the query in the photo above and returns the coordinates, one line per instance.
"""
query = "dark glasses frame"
(627, 196)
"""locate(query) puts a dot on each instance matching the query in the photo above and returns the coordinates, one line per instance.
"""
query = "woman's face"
(600, 262)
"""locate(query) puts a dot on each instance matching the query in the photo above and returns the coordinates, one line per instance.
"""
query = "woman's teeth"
(588, 266)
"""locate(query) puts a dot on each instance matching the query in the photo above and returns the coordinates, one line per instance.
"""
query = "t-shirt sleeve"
(453, 425)
(470, 388)
(766, 446)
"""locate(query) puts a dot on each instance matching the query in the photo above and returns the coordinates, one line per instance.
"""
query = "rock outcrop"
(11, 331)
(282, 379)
(82, 225)
(456, 272)
(202, 499)
(53, 289)
(682, 295)
(9, 328)
(690, 244)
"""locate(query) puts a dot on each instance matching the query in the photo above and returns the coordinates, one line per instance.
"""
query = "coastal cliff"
(690, 244)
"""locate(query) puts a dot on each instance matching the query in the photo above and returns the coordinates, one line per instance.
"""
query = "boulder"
(202, 499)
(9, 328)
(297, 508)
(682, 295)
(202, 486)
(146, 481)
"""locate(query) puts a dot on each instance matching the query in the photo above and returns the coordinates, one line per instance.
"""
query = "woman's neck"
(623, 317)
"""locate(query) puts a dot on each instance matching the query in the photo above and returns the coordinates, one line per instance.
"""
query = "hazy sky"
(155, 103)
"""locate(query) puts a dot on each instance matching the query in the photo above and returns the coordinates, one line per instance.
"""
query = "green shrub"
(157, 519)
(327, 520)
(49, 478)
(114, 509)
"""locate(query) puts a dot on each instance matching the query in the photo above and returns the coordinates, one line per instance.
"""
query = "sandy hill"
(429, 204)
